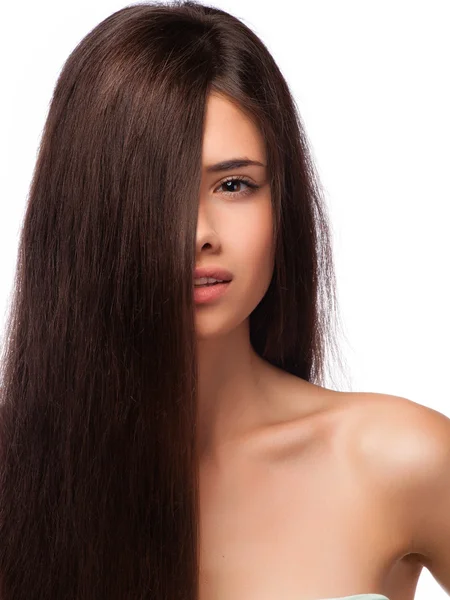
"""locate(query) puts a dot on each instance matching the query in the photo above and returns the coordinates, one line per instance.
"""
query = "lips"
(209, 294)
(215, 272)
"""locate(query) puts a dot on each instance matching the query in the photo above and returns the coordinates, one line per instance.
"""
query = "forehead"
(229, 132)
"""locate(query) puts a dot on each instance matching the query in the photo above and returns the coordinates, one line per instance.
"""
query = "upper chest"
(274, 523)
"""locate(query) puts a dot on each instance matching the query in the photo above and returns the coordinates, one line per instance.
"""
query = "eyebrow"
(232, 163)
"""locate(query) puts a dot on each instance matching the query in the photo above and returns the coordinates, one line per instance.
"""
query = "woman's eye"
(229, 186)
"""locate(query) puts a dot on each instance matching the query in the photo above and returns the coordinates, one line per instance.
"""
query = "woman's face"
(234, 227)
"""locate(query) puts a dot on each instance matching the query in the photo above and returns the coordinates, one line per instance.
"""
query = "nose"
(207, 235)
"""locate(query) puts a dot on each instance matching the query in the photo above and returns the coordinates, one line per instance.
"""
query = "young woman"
(169, 440)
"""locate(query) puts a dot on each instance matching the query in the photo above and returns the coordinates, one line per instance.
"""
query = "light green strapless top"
(359, 597)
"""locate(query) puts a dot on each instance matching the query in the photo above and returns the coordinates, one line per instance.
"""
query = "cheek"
(254, 248)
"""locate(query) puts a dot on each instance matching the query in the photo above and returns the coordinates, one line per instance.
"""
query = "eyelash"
(251, 186)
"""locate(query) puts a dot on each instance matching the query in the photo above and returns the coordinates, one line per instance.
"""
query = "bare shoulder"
(397, 438)
(401, 451)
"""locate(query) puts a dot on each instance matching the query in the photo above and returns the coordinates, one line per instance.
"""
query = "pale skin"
(305, 493)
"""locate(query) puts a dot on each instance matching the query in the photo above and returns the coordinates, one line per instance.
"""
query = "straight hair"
(99, 462)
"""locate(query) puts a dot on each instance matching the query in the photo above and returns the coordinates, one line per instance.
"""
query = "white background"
(371, 80)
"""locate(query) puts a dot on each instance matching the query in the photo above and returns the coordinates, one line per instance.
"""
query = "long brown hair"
(98, 456)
